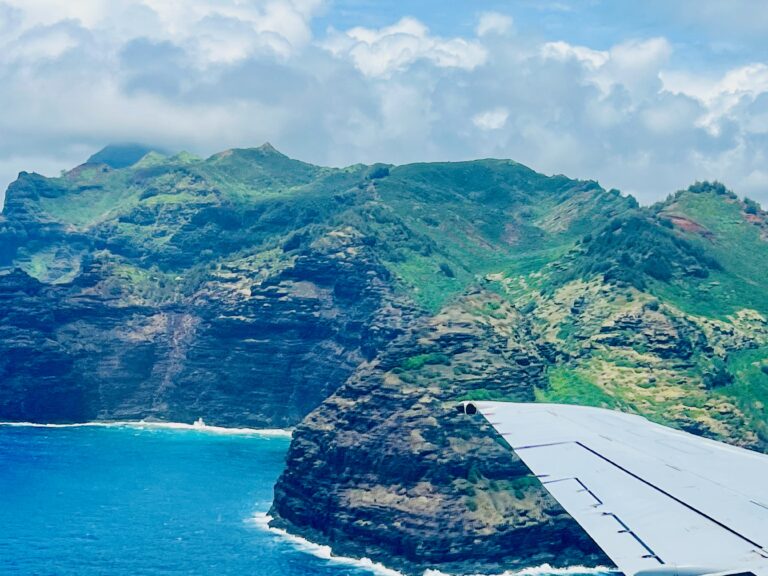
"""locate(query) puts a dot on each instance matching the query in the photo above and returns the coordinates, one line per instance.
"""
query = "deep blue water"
(143, 502)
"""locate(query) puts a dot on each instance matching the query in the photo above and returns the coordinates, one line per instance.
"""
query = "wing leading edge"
(656, 500)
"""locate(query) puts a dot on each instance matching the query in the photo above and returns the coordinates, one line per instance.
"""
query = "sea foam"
(262, 520)
(198, 426)
(542, 570)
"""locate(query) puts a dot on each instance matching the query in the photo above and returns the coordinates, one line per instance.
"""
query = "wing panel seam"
(668, 495)
(647, 483)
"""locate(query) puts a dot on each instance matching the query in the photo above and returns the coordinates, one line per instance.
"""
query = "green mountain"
(360, 304)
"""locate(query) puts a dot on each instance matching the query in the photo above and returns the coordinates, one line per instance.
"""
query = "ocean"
(124, 500)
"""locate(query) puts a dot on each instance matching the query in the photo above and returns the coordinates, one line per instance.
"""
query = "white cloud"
(493, 23)
(47, 12)
(42, 43)
(724, 98)
(634, 64)
(563, 51)
(214, 31)
(380, 52)
(494, 119)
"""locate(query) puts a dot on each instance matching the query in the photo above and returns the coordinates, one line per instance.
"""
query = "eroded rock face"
(389, 469)
(264, 356)
(654, 332)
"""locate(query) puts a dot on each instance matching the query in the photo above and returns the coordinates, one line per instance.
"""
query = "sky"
(646, 97)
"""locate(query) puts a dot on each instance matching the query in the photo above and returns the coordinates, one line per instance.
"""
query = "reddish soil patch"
(691, 226)
(759, 221)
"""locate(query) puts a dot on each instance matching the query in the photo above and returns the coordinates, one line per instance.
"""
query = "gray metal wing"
(656, 500)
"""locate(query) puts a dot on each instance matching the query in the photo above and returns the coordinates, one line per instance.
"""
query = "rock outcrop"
(262, 354)
(387, 468)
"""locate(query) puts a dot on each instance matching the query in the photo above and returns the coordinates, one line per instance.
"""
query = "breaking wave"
(198, 426)
(543, 570)
(262, 519)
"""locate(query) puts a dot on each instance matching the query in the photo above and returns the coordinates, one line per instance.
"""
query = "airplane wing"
(657, 501)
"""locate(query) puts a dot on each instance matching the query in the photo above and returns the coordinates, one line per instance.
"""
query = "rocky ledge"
(237, 351)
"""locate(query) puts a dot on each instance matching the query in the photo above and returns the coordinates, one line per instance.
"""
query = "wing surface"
(654, 499)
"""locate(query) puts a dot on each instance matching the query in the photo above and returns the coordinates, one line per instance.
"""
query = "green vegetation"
(452, 223)
(635, 249)
(739, 245)
(569, 386)
(485, 394)
(421, 360)
(749, 386)
(751, 207)
(438, 228)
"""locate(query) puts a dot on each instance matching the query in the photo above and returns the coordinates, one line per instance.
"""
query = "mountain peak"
(268, 148)
(265, 151)
(121, 155)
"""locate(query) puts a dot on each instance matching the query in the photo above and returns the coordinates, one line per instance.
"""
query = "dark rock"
(263, 360)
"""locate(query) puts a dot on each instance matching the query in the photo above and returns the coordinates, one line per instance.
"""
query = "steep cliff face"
(262, 353)
(396, 474)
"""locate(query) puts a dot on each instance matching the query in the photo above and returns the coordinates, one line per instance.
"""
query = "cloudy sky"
(642, 96)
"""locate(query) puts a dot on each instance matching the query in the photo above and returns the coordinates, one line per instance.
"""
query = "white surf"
(199, 425)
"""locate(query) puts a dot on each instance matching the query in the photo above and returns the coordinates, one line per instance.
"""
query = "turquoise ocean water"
(128, 501)
(114, 501)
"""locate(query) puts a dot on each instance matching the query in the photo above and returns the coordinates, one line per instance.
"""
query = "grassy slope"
(736, 243)
(470, 219)
(740, 243)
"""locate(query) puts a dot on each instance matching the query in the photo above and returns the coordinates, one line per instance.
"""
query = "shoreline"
(261, 521)
(144, 424)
